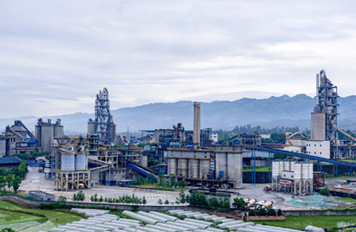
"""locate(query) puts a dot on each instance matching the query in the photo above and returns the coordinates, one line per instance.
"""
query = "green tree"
(16, 183)
(144, 201)
(9, 179)
(325, 191)
(2, 183)
(160, 201)
(177, 201)
(239, 203)
(213, 202)
(101, 199)
(153, 179)
(62, 199)
(161, 178)
(166, 202)
(271, 212)
(251, 213)
(279, 212)
(6, 229)
(182, 196)
(278, 137)
(172, 179)
(262, 212)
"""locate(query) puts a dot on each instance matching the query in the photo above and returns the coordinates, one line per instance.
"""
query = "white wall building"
(214, 137)
(320, 148)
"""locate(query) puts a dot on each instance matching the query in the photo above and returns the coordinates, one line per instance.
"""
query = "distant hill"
(271, 112)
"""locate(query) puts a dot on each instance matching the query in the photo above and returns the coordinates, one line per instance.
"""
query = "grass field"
(300, 222)
(7, 217)
(63, 218)
(258, 169)
(346, 199)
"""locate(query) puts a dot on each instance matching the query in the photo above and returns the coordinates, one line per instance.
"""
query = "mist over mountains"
(270, 112)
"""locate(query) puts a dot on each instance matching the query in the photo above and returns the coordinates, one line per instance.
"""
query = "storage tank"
(182, 167)
(81, 162)
(204, 168)
(193, 168)
(172, 166)
(297, 170)
(67, 162)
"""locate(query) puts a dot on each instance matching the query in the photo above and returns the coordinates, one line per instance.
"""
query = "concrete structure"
(221, 166)
(317, 126)
(103, 125)
(318, 148)
(292, 176)
(196, 125)
(46, 132)
(41, 196)
(17, 139)
(69, 165)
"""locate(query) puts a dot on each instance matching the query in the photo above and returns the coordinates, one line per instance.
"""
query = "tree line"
(13, 177)
(32, 156)
(172, 182)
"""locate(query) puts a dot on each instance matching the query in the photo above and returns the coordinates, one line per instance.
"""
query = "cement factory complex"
(103, 158)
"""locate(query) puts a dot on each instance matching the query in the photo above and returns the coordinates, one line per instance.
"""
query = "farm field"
(300, 222)
(15, 218)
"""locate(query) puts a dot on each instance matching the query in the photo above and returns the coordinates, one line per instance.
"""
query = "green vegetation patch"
(8, 217)
(153, 186)
(258, 169)
(300, 222)
(62, 216)
(347, 199)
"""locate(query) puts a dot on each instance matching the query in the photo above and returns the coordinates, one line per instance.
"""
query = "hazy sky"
(56, 55)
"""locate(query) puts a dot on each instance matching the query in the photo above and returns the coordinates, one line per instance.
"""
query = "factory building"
(69, 166)
(320, 148)
(220, 167)
(295, 177)
(46, 132)
(17, 139)
(103, 124)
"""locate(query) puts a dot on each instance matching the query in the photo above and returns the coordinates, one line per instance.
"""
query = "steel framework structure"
(327, 101)
(103, 118)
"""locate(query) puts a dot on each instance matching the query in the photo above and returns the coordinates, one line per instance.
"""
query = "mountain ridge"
(268, 112)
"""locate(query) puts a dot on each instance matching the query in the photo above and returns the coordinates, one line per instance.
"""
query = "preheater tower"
(324, 117)
(104, 123)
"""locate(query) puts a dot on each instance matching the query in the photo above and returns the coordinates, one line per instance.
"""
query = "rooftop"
(10, 160)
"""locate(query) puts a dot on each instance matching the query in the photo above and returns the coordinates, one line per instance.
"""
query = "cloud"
(56, 55)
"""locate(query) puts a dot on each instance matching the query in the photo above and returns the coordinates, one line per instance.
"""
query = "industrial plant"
(196, 156)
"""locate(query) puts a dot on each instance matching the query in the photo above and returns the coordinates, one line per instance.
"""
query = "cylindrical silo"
(172, 166)
(204, 168)
(182, 167)
(67, 162)
(81, 162)
(193, 168)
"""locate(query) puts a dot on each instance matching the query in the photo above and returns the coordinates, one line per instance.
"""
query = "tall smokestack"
(317, 90)
(198, 119)
(195, 125)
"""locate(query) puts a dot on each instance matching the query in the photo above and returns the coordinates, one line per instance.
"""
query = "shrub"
(279, 212)
(251, 213)
(271, 212)
(62, 199)
(262, 212)
(166, 202)
(325, 191)
(160, 201)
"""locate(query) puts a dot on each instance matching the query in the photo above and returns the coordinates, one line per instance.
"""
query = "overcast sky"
(56, 55)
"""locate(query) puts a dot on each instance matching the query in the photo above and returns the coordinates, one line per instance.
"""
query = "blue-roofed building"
(9, 162)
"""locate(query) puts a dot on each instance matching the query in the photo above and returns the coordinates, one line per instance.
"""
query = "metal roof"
(10, 160)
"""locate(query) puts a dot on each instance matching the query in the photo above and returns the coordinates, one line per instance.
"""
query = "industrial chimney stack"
(196, 125)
